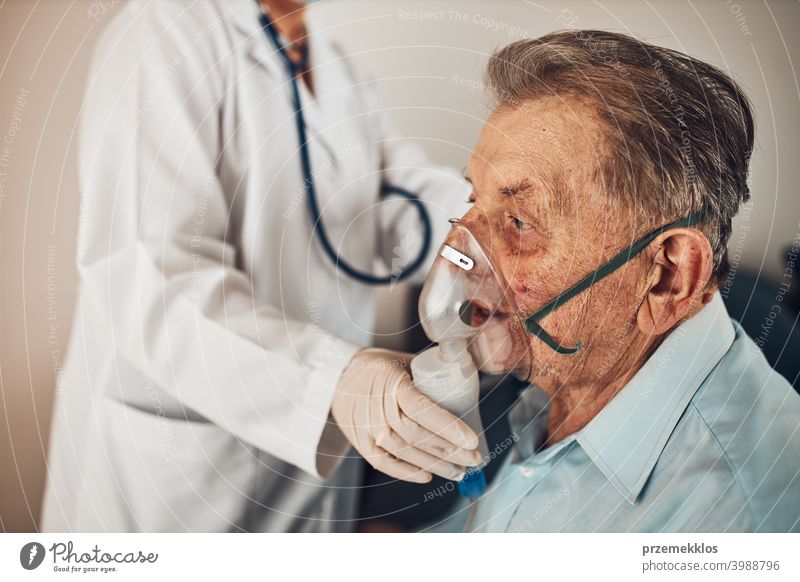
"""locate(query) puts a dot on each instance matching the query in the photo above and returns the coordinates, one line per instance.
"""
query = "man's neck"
(576, 401)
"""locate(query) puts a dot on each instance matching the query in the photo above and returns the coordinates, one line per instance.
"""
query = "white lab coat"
(211, 330)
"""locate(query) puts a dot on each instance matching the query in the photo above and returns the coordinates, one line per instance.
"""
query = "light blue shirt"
(705, 437)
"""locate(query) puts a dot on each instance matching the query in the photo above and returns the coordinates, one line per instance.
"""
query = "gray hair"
(679, 131)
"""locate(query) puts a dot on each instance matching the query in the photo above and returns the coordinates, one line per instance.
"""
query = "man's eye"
(519, 224)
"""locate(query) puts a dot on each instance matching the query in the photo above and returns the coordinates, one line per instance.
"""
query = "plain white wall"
(429, 72)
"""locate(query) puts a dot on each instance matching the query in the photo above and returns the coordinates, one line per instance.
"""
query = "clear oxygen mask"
(466, 305)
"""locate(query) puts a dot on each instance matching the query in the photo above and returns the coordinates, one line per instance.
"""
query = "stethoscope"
(295, 69)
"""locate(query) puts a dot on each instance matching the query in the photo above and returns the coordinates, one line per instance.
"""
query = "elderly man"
(605, 182)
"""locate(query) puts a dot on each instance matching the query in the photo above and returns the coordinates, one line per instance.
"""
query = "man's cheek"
(569, 323)
(592, 317)
(534, 289)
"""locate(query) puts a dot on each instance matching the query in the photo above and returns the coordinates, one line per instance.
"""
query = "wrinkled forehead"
(553, 143)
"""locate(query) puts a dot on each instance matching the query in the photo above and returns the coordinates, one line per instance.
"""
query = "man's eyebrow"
(518, 189)
(522, 190)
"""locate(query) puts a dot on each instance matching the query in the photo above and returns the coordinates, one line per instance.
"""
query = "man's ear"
(683, 263)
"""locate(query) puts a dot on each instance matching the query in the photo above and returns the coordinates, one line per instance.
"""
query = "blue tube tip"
(473, 484)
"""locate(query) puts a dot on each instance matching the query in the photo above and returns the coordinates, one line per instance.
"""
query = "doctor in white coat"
(216, 376)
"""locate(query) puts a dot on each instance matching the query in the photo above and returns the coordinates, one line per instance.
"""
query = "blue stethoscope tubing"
(308, 180)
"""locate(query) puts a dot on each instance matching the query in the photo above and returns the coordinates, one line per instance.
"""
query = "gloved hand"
(395, 427)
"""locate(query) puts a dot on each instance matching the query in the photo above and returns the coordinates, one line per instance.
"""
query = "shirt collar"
(627, 437)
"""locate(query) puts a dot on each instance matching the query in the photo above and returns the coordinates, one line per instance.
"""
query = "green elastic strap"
(601, 272)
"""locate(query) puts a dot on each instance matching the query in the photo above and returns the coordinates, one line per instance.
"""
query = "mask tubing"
(536, 330)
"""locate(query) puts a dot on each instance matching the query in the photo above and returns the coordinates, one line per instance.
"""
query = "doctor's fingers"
(370, 411)
(420, 437)
(388, 464)
(422, 410)
(392, 443)
(423, 439)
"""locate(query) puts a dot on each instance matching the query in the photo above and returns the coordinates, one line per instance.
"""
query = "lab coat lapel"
(329, 113)
(334, 115)
(257, 47)
(329, 75)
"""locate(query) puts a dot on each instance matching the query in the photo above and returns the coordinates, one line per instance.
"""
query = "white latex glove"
(395, 427)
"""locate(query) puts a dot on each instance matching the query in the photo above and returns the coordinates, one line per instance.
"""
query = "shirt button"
(526, 471)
